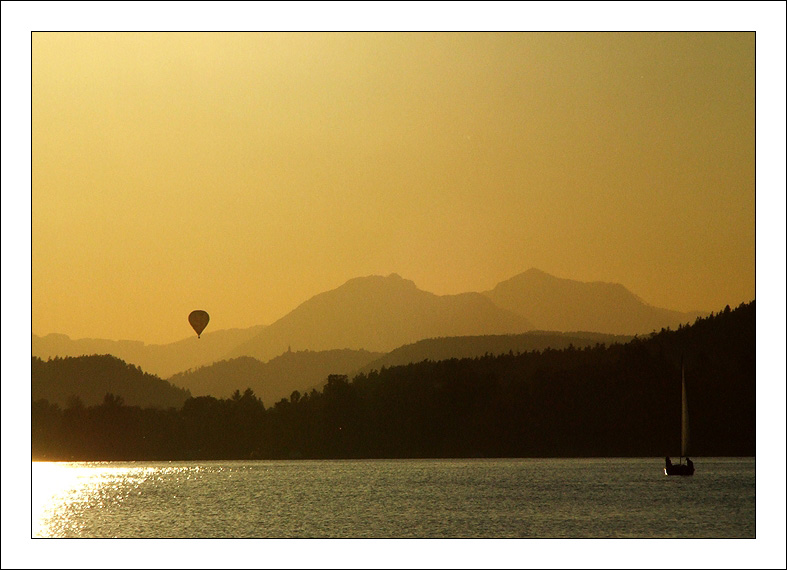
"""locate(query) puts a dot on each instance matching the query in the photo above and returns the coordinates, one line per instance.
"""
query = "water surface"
(450, 498)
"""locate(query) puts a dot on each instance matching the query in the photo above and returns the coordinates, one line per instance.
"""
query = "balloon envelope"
(198, 320)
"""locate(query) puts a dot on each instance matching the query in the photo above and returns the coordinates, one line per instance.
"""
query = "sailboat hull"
(679, 470)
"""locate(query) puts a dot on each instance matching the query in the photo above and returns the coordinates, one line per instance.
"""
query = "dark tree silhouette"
(618, 400)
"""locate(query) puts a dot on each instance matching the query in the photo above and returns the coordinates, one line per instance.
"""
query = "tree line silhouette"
(618, 400)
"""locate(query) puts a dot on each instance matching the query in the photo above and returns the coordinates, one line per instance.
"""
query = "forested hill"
(445, 348)
(622, 400)
(271, 381)
(619, 400)
(91, 378)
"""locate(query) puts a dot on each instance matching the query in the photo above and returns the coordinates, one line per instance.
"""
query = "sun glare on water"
(62, 490)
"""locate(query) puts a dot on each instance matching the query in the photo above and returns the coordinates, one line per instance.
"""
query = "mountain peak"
(379, 313)
(534, 273)
(394, 281)
(391, 278)
(554, 303)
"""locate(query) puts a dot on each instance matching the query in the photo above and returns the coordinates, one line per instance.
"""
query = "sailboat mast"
(684, 416)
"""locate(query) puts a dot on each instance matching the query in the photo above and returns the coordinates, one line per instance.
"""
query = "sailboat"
(688, 467)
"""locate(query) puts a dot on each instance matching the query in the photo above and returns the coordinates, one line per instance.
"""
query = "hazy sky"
(243, 173)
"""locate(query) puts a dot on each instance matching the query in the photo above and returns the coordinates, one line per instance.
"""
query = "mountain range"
(621, 400)
(161, 359)
(379, 314)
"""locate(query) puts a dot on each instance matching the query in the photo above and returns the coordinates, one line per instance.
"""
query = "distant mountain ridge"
(160, 359)
(556, 304)
(381, 314)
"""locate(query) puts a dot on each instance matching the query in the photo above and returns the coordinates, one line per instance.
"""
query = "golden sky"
(243, 173)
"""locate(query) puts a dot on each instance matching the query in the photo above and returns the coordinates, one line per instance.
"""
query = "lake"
(447, 498)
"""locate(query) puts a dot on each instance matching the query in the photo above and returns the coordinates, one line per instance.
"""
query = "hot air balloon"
(198, 320)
